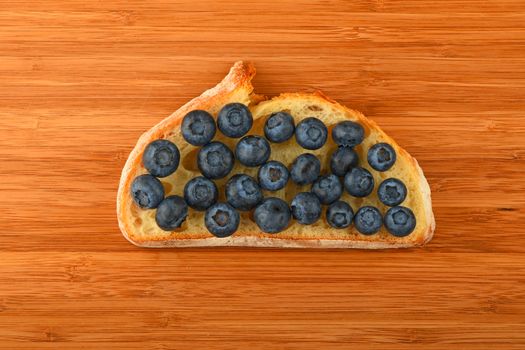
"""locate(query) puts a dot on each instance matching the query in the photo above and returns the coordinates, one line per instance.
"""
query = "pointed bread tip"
(241, 72)
(248, 67)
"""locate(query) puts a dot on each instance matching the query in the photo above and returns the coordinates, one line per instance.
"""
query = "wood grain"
(81, 80)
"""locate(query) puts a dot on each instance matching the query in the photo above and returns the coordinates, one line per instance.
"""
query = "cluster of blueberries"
(215, 160)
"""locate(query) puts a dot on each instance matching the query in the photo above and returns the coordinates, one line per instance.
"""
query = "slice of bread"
(139, 226)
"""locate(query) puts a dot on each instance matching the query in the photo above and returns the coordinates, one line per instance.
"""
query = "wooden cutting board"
(81, 80)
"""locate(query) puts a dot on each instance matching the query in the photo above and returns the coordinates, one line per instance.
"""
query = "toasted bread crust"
(239, 78)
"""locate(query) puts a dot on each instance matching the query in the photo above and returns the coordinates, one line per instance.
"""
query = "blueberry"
(279, 127)
(400, 221)
(147, 191)
(198, 127)
(306, 208)
(359, 182)
(305, 169)
(272, 215)
(161, 158)
(327, 188)
(381, 156)
(311, 133)
(339, 214)
(252, 150)
(273, 176)
(368, 220)
(215, 160)
(342, 160)
(222, 220)
(200, 193)
(348, 133)
(171, 213)
(234, 120)
(392, 192)
(243, 192)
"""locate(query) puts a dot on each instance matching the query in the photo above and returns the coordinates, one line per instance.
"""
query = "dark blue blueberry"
(273, 176)
(381, 156)
(234, 120)
(171, 213)
(305, 169)
(311, 133)
(252, 150)
(200, 193)
(400, 221)
(368, 220)
(215, 160)
(243, 192)
(147, 191)
(279, 127)
(161, 158)
(348, 133)
(327, 188)
(339, 214)
(392, 192)
(359, 182)
(342, 160)
(272, 215)
(306, 208)
(198, 127)
(222, 220)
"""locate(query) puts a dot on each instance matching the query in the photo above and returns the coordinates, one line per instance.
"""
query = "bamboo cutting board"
(81, 80)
